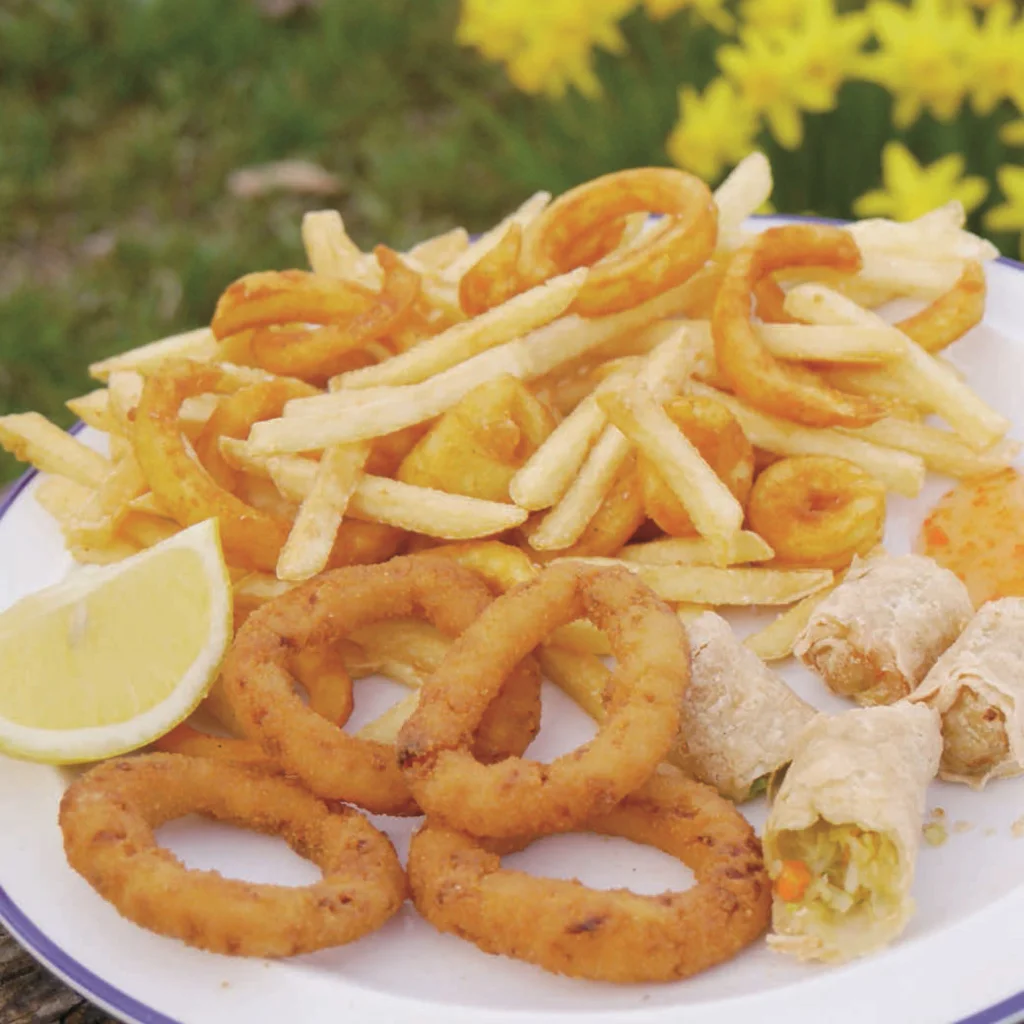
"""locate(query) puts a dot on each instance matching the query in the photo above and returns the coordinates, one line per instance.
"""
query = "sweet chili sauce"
(977, 531)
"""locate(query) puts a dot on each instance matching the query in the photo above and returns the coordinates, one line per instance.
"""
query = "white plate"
(959, 957)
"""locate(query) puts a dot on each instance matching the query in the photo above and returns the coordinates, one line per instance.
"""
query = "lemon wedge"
(115, 656)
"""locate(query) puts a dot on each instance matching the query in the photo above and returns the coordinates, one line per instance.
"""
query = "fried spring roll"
(842, 837)
(740, 721)
(978, 688)
(875, 637)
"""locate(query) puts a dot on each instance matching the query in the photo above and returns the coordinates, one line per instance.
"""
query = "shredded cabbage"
(851, 871)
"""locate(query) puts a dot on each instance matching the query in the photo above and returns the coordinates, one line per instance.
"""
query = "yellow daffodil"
(772, 14)
(1012, 133)
(911, 190)
(715, 130)
(782, 72)
(995, 58)
(545, 47)
(711, 11)
(921, 57)
(1008, 215)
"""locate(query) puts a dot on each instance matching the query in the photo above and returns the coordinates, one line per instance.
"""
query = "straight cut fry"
(199, 345)
(924, 376)
(497, 326)
(743, 547)
(311, 540)
(899, 471)
(32, 438)
(713, 508)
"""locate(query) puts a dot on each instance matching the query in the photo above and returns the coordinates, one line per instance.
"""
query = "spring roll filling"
(846, 872)
(973, 735)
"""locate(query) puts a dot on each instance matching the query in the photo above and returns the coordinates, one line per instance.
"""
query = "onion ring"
(108, 817)
(334, 764)
(317, 354)
(817, 511)
(252, 537)
(287, 297)
(747, 366)
(565, 927)
(623, 279)
(521, 797)
(713, 430)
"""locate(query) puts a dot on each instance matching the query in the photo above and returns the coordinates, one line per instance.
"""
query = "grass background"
(122, 120)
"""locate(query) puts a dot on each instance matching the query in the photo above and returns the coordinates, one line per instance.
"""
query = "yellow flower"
(995, 58)
(1012, 133)
(546, 47)
(711, 11)
(912, 190)
(1008, 215)
(772, 14)
(921, 56)
(715, 130)
(782, 72)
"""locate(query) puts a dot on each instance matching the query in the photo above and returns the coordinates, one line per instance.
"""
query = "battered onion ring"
(717, 435)
(332, 763)
(521, 797)
(287, 297)
(747, 366)
(108, 817)
(951, 315)
(563, 926)
(623, 279)
(252, 537)
(317, 354)
(817, 511)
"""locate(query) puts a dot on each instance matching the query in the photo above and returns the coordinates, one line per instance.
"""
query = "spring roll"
(842, 837)
(875, 637)
(978, 688)
(740, 721)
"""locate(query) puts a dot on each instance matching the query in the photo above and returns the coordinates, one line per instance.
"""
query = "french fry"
(664, 372)
(145, 531)
(938, 233)
(329, 249)
(915, 278)
(199, 344)
(899, 471)
(439, 252)
(63, 498)
(149, 503)
(815, 342)
(384, 728)
(775, 641)
(743, 547)
(715, 586)
(107, 553)
(497, 326)
(94, 411)
(419, 509)
(746, 188)
(920, 373)
(32, 438)
(257, 588)
(941, 450)
(310, 424)
(101, 516)
(583, 677)
(311, 539)
(472, 255)
(715, 512)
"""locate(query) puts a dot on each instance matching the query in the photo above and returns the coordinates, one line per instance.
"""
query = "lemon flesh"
(114, 657)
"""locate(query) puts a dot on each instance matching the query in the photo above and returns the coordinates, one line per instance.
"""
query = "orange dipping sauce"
(977, 531)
